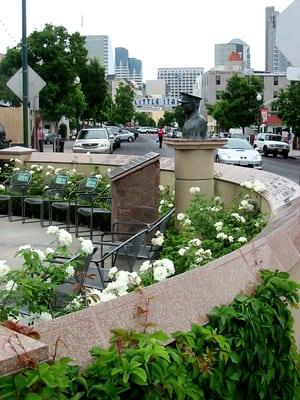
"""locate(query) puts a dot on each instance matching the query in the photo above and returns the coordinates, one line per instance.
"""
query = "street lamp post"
(259, 99)
(25, 75)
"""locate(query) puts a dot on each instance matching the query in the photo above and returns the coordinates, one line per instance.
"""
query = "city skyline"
(167, 34)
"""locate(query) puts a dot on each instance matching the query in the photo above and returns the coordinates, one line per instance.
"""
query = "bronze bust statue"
(195, 126)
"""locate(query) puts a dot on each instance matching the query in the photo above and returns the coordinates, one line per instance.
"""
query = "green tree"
(238, 105)
(171, 116)
(108, 110)
(124, 108)
(287, 106)
(144, 119)
(94, 87)
(57, 57)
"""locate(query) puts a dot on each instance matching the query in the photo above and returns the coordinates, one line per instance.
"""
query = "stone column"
(194, 166)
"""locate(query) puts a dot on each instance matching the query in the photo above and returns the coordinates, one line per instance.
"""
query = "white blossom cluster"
(238, 217)
(4, 269)
(195, 250)
(2, 188)
(158, 239)
(32, 318)
(184, 219)
(256, 185)
(194, 190)
(246, 205)
(160, 269)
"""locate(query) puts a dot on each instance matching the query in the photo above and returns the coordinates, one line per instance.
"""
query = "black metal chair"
(90, 211)
(148, 251)
(16, 188)
(53, 191)
(122, 255)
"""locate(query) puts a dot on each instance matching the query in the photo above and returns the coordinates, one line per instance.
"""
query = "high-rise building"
(135, 71)
(121, 63)
(179, 79)
(223, 51)
(275, 60)
(99, 47)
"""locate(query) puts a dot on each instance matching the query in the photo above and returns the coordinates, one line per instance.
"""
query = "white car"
(268, 143)
(126, 135)
(94, 140)
(239, 152)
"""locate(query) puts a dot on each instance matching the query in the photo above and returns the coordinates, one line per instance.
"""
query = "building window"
(275, 94)
(218, 94)
(218, 80)
(275, 80)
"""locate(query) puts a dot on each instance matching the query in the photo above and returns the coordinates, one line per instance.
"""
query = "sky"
(162, 33)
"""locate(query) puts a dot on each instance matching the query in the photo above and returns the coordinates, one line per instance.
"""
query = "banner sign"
(264, 115)
(158, 102)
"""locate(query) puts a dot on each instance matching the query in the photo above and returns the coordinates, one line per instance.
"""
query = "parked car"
(126, 135)
(4, 143)
(115, 131)
(269, 143)
(134, 131)
(49, 136)
(239, 152)
(94, 140)
(174, 133)
(142, 129)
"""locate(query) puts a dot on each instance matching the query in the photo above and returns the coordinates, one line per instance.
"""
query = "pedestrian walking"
(41, 138)
(160, 134)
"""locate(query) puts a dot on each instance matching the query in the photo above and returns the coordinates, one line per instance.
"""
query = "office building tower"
(99, 47)
(179, 79)
(275, 60)
(135, 71)
(224, 50)
(121, 63)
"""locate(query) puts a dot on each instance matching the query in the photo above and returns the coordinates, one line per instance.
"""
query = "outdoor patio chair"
(148, 251)
(122, 255)
(76, 284)
(54, 190)
(16, 188)
(90, 212)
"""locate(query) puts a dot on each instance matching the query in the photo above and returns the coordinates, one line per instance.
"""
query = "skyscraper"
(121, 63)
(223, 51)
(179, 79)
(135, 70)
(275, 60)
(99, 47)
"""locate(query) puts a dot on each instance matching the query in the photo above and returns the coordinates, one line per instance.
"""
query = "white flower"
(52, 230)
(57, 171)
(108, 170)
(242, 239)
(87, 246)
(16, 169)
(112, 272)
(158, 239)
(214, 209)
(4, 269)
(180, 216)
(65, 238)
(17, 161)
(2, 188)
(70, 271)
(199, 252)
(50, 167)
(245, 205)
(98, 176)
(198, 260)
(217, 200)
(145, 266)
(219, 226)
(222, 236)
(44, 316)
(207, 253)
(161, 188)
(48, 173)
(170, 205)
(162, 202)
(106, 296)
(41, 254)
(93, 296)
(25, 247)
(247, 184)
(187, 222)
(182, 251)
(11, 285)
(195, 242)
(258, 187)
(242, 219)
(194, 190)
(230, 239)
(6, 165)
(160, 273)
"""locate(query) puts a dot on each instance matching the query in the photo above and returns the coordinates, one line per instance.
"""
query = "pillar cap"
(199, 144)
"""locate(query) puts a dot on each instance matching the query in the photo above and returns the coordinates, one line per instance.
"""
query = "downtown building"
(179, 79)
(275, 60)
(128, 68)
(224, 50)
(99, 47)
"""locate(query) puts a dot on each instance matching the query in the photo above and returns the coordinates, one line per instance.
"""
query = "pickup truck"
(269, 143)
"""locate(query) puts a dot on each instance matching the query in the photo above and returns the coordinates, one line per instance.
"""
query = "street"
(145, 143)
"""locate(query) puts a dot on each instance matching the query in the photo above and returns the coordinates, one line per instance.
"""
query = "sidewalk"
(15, 234)
(294, 154)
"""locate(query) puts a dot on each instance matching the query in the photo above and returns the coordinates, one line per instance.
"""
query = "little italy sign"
(157, 102)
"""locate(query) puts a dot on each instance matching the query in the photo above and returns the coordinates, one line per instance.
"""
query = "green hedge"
(246, 351)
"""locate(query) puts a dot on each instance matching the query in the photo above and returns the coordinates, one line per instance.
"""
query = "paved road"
(289, 168)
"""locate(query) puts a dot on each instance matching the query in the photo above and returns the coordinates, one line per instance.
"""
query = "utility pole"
(25, 75)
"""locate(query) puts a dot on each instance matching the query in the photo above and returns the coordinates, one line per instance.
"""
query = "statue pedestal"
(194, 166)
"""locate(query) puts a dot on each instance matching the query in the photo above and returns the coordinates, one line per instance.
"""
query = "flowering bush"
(208, 230)
(167, 199)
(30, 293)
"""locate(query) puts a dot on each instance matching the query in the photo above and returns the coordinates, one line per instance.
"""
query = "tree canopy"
(238, 105)
(287, 106)
(124, 108)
